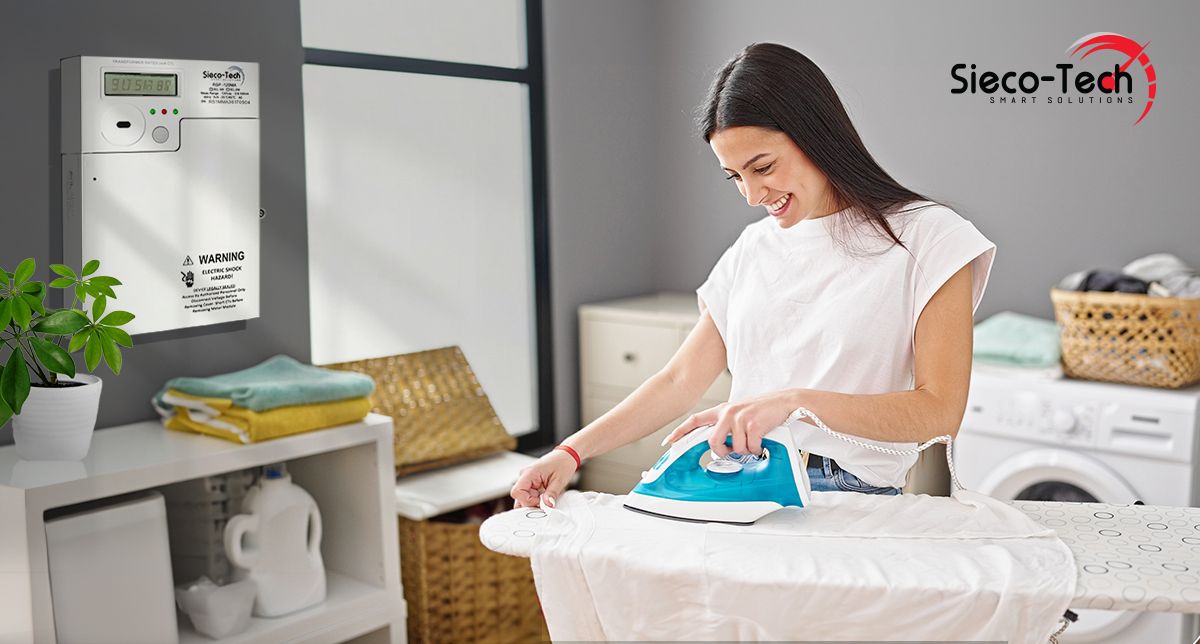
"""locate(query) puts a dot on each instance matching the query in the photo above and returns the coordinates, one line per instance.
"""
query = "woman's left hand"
(748, 420)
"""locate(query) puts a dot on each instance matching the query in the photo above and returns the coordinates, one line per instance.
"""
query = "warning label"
(214, 285)
(213, 298)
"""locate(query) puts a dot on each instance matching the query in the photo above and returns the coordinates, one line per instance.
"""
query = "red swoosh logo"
(1106, 41)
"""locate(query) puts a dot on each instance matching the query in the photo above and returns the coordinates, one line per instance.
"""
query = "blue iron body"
(679, 486)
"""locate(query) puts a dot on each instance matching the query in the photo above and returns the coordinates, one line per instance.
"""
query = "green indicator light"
(152, 110)
(175, 111)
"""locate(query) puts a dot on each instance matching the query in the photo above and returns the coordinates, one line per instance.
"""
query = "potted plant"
(52, 407)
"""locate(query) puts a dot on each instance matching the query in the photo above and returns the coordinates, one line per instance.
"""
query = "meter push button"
(160, 134)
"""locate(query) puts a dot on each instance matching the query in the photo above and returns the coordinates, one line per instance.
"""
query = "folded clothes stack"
(278, 397)
(1014, 343)
(1159, 275)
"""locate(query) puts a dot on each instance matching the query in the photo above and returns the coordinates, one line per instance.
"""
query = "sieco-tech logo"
(1113, 87)
(231, 73)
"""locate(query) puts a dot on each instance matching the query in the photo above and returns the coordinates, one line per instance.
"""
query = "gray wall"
(601, 91)
(33, 37)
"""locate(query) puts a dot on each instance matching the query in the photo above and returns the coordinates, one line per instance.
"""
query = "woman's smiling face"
(771, 171)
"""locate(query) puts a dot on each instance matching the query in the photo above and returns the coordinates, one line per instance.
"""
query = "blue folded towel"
(1017, 340)
(276, 382)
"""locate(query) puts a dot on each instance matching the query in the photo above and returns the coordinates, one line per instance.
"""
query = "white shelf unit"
(348, 470)
(621, 344)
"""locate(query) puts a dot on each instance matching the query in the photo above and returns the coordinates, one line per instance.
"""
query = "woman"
(852, 297)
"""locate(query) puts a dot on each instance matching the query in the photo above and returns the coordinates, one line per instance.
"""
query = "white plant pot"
(56, 423)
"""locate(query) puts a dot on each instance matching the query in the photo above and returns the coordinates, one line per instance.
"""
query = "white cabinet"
(348, 470)
(621, 344)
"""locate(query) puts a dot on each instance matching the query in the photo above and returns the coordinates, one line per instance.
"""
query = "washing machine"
(1033, 438)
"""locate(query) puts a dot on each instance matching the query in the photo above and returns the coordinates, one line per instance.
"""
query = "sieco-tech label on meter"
(225, 87)
(212, 281)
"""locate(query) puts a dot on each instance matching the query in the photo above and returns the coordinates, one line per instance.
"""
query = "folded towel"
(276, 382)
(1054, 372)
(1017, 340)
(220, 417)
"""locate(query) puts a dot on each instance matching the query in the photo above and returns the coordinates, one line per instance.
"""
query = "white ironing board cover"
(1146, 559)
(604, 572)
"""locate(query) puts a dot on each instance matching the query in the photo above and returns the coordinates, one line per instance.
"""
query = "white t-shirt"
(797, 309)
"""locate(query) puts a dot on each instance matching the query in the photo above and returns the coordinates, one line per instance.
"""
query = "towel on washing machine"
(848, 567)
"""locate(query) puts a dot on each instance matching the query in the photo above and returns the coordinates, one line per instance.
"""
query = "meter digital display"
(124, 84)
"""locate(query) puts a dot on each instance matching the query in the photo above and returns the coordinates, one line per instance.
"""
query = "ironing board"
(1128, 557)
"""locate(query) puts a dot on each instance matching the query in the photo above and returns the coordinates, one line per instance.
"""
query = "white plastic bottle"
(281, 527)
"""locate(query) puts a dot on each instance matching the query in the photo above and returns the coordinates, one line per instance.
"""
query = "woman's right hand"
(545, 479)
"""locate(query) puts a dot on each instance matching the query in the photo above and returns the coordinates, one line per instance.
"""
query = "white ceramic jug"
(281, 526)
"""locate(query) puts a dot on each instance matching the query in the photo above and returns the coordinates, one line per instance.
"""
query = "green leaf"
(97, 290)
(14, 382)
(21, 312)
(101, 280)
(92, 351)
(78, 339)
(24, 272)
(62, 282)
(80, 292)
(64, 270)
(91, 267)
(64, 322)
(117, 318)
(98, 307)
(4, 277)
(5, 313)
(53, 357)
(34, 293)
(119, 336)
(112, 354)
(35, 303)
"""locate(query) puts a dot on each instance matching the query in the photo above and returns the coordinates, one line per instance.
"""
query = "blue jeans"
(825, 476)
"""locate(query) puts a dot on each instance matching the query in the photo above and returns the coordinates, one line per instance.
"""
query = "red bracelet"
(574, 455)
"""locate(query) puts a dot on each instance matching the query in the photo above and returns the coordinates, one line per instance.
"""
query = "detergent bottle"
(276, 541)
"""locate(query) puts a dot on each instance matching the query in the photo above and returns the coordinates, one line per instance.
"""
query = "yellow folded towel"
(220, 417)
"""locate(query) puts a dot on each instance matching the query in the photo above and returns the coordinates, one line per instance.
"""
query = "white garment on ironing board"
(798, 310)
(848, 567)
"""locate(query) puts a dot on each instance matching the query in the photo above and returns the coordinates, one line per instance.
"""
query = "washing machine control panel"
(1085, 415)
(1021, 411)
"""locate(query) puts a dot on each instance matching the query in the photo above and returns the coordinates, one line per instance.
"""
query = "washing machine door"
(1059, 475)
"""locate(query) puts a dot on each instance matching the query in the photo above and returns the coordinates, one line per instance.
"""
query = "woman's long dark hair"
(776, 87)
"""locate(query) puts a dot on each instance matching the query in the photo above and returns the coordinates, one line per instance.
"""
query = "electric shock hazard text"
(220, 273)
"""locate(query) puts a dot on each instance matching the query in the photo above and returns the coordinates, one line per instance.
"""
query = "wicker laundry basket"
(439, 411)
(1129, 338)
(459, 591)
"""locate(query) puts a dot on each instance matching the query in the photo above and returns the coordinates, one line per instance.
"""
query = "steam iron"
(738, 489)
